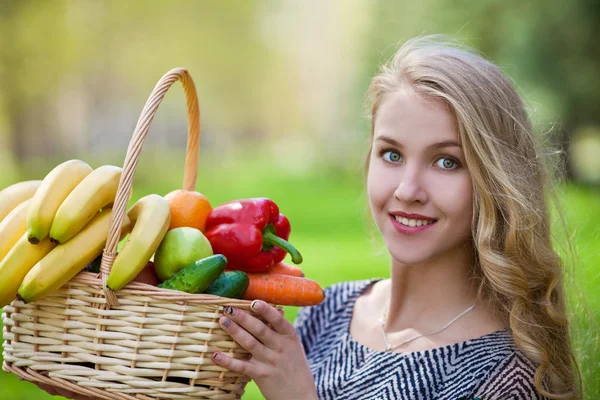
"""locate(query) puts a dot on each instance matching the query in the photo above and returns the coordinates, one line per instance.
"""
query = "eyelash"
(458, 164)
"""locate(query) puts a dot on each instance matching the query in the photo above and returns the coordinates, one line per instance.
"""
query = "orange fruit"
(188, 209)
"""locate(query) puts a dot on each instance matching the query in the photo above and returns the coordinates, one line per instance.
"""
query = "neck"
(426, 295)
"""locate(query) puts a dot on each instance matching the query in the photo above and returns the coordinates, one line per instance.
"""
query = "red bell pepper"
(251, 233)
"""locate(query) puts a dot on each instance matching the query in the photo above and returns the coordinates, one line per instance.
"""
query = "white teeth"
(413, 222)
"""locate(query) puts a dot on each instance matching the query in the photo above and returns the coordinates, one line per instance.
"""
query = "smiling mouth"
(413, 222)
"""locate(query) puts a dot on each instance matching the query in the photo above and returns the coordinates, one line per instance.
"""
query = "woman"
(474, 307)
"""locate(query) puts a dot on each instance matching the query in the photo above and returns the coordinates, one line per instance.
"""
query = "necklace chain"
(389, 347)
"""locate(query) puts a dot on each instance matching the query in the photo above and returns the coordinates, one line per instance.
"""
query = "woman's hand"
(278, 364)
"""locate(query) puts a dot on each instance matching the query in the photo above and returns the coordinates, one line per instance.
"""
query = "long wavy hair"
(520, 273)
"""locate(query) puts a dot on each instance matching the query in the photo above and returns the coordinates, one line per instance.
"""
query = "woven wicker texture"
(143, 342)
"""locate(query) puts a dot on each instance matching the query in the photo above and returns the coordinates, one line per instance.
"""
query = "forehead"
(404, 114)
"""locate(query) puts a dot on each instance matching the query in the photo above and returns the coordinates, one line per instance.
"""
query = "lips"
(411, 223)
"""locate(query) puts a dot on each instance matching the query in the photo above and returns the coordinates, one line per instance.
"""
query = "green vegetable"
(230, 284)
(197, 276)
(94, 266)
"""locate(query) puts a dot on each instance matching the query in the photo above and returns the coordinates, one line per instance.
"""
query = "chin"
(414, 260)
(411, 255)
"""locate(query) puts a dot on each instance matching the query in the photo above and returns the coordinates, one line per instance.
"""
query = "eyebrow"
(438, 145)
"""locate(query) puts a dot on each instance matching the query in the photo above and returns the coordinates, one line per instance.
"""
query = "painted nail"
(226, 322)
(217, 357)
(256, 305)
(229, 310)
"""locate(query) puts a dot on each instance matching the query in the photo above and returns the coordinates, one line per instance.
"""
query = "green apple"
(180, 247)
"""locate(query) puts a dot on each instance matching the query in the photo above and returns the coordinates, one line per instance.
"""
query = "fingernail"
(229, 310)
(217, 357)
(256, 305)
(226, 322)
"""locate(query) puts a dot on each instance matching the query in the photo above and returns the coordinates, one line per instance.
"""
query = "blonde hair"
(520, 273)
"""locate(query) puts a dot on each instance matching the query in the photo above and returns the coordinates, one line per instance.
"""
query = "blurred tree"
(75, 75)
(29, 33)
(565, 58)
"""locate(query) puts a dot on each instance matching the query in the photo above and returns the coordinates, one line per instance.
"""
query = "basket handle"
(133, 154)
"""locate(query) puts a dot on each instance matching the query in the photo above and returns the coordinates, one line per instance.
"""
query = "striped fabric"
(486, 368)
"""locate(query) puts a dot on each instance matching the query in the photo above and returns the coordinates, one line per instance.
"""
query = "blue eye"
(447, 163)
(391, 156)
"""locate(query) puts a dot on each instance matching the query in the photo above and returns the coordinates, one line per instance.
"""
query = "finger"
(256, 327)
(273, 317)
(242, 337)
(234, 365)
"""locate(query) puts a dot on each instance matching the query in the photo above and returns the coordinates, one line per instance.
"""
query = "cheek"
(378, 186)
(458, 199)
(372, 194)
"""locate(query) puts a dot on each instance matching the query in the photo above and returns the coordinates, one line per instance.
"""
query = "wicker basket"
(142, 343)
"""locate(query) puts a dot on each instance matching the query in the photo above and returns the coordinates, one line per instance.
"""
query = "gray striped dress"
(486, 368)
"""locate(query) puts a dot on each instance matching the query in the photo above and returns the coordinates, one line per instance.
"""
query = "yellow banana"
(150, 216)
(94, 192)
(17, 263)
(14, 195)
(54, 189)
(68, 259)
(13, 227)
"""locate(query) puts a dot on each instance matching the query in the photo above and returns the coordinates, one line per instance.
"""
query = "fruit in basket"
(95, 191)
(197, 276)
(230, 284)
(150, 217)
(12, 227)
(13, 195)
(53, 190)
(188, 209)
(17, 263)
(147, 275)
(68, 259)
(180, 247)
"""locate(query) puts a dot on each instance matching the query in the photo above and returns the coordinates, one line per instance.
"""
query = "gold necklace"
(389, 347)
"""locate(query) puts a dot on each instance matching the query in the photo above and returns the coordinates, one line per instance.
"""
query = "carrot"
(284, 290)
(286, 269)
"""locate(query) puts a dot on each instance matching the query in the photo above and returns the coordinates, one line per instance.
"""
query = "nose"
(410, 188)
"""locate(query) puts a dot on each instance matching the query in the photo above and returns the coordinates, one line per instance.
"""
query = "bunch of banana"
(54, 189)
(68, 259)
(150, 216)
(12, 227)
(17, 263)
(15, 194)
(95, 191)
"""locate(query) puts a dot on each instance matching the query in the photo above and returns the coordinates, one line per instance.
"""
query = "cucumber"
(94, 266)
(230, 284)
(197, 276)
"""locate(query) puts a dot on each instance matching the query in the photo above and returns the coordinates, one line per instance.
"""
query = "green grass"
(330, 226)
